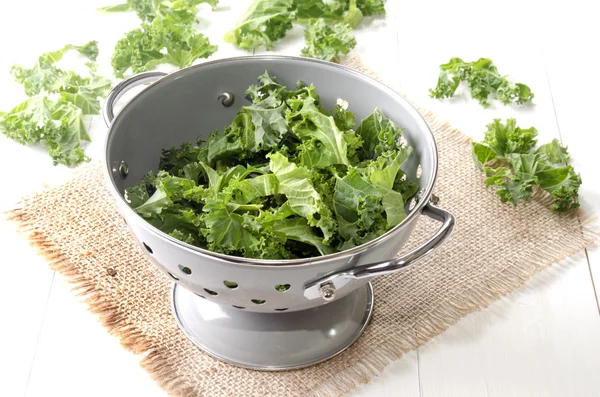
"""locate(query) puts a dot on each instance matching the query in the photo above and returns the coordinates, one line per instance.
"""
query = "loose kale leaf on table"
(44, 76)
(328, 31)
(483, 79)
(371, 7)
(327, 42)
(166, 36)
(147, 10)
(162, 41)
(59, 99)
(263, 23)
(514, 166)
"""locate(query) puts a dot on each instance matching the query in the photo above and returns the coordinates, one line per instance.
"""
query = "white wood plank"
(24, 289)
(400, 378)
(538, 340)
(26, 280)
(76, 356)
(542, 340)
(572, 67)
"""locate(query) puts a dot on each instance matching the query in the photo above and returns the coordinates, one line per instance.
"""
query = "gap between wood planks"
(587, 256)
(39, 334)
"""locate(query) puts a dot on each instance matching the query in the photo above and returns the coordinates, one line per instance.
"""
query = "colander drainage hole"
(186, 270)
(210, 292)
(282, 287)
(172, 276)
(201, 296)
(147, 248)
(230, 284)
(281, 310)
(258, 301)
(238, 307)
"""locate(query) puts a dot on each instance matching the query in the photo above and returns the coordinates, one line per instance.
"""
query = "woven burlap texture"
(494, 249)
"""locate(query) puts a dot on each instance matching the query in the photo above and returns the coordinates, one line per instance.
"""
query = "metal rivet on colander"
(327, 291)
(122, 169)
(226, 99)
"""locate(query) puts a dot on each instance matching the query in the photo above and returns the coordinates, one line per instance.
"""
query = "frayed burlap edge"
(154, 358)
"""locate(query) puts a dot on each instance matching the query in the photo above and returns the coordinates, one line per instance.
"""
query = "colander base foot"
(273, 341)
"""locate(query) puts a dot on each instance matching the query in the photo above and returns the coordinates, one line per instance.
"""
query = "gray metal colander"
(304, 310)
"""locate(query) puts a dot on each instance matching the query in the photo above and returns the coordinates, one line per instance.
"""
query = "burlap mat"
(495, 248)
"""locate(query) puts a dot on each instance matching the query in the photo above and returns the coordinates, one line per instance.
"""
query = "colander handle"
(108, 111)
(328, 286)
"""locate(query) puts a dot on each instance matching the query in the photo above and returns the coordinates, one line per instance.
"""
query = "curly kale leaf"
(483, 79)
(370, 199)
(344, 119)
(358, 207)
(148, 10)
(163, 201)
(269, 93)
(44, 76)
(263, 23)
(56, 124)
(348, 12)
(331, 11)
(509, 138)
(166, 36)
(514, 166)
(302, 197)
(266, 21)
(163, 41)
(327, 43)
(182, 160)
(379, 135)
(323, 144)
(85, 96)
(371, 7)
(59, 99)
(183, 11)
(298, 229)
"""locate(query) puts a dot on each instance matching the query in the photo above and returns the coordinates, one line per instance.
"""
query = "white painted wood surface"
(542, 340)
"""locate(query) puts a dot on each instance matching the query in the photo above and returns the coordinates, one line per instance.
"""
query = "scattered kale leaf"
(263, 23)
(166, 36)
(328, 30)
(162, 41)
(148, 10)
(371, 7)
(327, 42)
(483, 79)
(514, 166)
(53, 115)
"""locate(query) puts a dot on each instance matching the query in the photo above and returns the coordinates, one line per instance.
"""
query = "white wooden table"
(542, 340)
